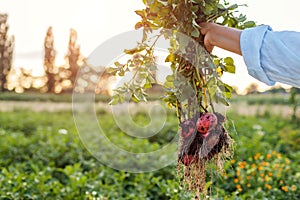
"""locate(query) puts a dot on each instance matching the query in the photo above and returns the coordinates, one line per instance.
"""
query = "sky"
(99, 20)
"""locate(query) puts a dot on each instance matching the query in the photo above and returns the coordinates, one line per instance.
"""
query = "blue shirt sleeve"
(272, 56)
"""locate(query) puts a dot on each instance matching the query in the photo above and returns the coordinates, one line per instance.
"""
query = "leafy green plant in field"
(49, 162)
(289, 140)
(294, 101)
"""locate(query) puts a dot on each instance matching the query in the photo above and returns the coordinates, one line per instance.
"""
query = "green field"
(42, 157)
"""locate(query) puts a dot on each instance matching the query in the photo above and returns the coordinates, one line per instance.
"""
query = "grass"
(33, 96)
(50, 97)
(261, 99)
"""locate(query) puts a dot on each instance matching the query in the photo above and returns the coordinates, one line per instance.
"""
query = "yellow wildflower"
(268, 186)
(269, 156)
(281, 181)
(265, 163)
(287, 161)
(248, 185)
(278, 155)
(236, 180)
(253, 165)
(294, 188)
(248, 177)
(267, 178)
(285, 188)
(270, 174)
(233, 161)
(262, 175)
(242, 165)
(278, 175)
(256, 156)
(239, 186)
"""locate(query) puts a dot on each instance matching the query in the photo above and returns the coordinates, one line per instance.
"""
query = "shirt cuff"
(251, 41)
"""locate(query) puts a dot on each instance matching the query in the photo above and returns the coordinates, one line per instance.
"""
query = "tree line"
(55, 79)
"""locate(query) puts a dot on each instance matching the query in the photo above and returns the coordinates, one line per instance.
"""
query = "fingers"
(207, 43)
(204, 29)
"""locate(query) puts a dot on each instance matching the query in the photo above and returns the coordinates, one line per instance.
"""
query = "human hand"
(221, 36)
(208, 41)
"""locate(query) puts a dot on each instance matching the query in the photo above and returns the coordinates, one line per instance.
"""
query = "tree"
(73, 56)
(49, 60)
(252, 88)
(6, 51)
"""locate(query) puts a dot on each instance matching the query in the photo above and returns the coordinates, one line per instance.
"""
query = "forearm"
(221, 36)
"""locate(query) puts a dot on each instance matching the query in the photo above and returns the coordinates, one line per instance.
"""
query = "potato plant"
(195, 85)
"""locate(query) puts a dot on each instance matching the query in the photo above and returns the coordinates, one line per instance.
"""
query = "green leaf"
(135, 98)
(211, 82)
(150, 78)
(226, 90)
(147, 85)
(229, 65)
(135, 50)
(112, 70)
(221, 99)
(170, 78)
(121, 72)
(117, 64)
(208, 184)
(169, 84)
(249, 24)
(207, 9)
(232, 7)
(115, 100)
(220, 6)
(131, 51)
(195, 8)
(241, 18)
(228, 60)
(195, 33)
